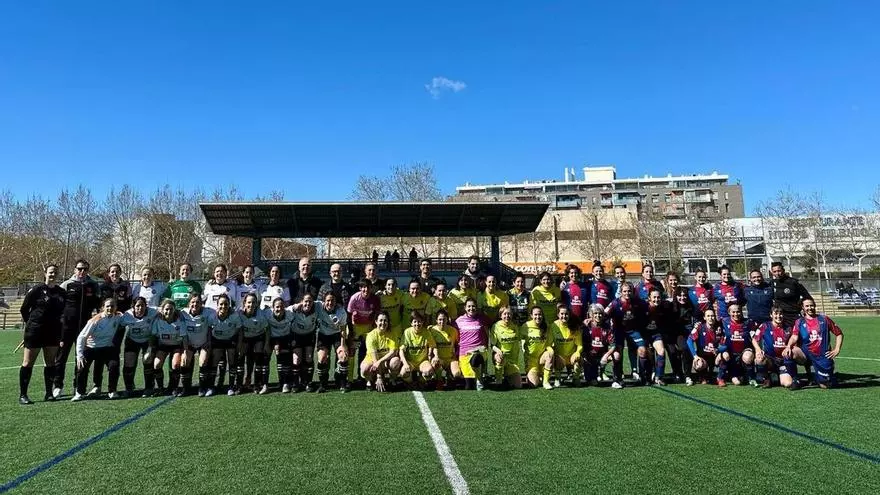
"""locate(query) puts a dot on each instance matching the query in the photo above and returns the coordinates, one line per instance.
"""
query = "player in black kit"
(41, 313)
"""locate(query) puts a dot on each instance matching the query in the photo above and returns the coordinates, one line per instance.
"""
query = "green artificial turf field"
(699, 439)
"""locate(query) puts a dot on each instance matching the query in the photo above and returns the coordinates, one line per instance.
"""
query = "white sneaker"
(636, 376)
(604, 378)
(616, 385)
(93, 392)
(56, 392)
(264, 390)
(548, 386)
(688, 381)
(557, 383)
(77, 397)
(112, 395)
(480, 385)
(209, 392)
(735, 380)
(230, 392)
(285, 389)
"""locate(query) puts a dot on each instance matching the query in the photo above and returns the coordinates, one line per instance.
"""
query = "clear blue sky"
(310, 94)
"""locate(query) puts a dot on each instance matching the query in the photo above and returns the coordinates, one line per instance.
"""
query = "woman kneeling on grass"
(539, 358)
(381, 359)
(169, 334)
(416, 348)
(95, 345)
(506, 348)
(138, 324)
(567, 346)
(446, 355)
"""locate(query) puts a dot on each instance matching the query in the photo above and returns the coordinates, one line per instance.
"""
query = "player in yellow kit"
(416, 349)
(446, 350)
(492, 299)
(441, 301)
(462, 292)
(538, 356)
(391, 301)
(381, 360)
(414, 299)
(546, 296)
(564, 337)
(506, 342)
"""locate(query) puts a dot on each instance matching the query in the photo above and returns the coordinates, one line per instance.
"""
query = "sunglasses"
(82, 268)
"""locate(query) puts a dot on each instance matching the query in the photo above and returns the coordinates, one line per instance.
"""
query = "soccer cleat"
(346, 388)
(677, 379)
(659, 381)
(823, 386)
(480, 385)
(285, 389)
(754, 383)
(311, 387)
(616, 385)
(321, 389)
(114, 395)
(209, 392)
(548, 386)
(264, 390)
(25, 400)
(77, 397)
(93, 392)
(56, 392)
(635, 376)
(201, 392)
(735, 380)
(689, 381)
(704, 381)
(766, 383)
(230, 392)
(179, 392)
(593, 383)
(556, 383)
(49, 397)
(148, 392)
(795, 385)
(721, 382)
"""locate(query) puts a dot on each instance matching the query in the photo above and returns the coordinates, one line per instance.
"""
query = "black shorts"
(195, 349)
(223, 344)
(170, 348)
(302, 340)
(329, 341)
(283, 343)
(136, 347)
(37, 339)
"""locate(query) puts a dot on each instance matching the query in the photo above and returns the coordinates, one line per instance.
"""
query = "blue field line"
(9, 485)
(776, 426)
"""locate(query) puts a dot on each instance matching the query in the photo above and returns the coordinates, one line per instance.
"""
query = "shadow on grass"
(850, 380)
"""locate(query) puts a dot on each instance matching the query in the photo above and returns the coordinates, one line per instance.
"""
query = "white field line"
(453, 474)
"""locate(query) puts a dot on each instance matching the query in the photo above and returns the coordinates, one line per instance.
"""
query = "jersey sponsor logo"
(165, 336)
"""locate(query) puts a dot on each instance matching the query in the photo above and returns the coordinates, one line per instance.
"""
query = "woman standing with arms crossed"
(41, 313)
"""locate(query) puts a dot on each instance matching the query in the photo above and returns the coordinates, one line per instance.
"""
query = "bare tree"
(173, 223)
(79, 223)
(786, 229)
(129, 242)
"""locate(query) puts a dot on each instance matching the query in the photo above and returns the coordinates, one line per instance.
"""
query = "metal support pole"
(745, 273)
(256, 251)
(495, 255)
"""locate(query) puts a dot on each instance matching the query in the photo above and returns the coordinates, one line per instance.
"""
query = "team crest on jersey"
(787, 290)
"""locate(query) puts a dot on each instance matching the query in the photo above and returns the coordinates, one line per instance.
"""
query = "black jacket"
(299, 288)
(120, 291)
(42, 309)
(81, 298)
(788, 294)
(342, 290)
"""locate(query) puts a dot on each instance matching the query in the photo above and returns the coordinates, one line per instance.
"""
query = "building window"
(717, 209)
(726, 206)
(655, 198)
(667, 197)
(726, 195)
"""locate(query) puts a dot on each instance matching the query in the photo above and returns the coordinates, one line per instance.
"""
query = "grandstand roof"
(453, 219)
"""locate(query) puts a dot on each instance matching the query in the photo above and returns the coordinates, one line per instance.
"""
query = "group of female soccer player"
(428, 337)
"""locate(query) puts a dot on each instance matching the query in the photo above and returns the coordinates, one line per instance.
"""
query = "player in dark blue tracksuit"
(814, 333)
(759, 298)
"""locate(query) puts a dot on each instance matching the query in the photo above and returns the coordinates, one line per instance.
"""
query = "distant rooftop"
(596, 175)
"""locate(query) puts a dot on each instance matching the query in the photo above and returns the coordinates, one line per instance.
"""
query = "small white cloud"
(439, 85)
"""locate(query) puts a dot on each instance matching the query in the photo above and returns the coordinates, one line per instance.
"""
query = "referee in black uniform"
(41, 313)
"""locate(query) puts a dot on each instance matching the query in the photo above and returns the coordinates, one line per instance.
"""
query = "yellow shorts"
(511, 369)
(465, 363)
(362, 329)
(533, 363)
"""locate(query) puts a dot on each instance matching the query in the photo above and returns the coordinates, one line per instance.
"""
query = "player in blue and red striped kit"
(600, 347)
(628, 319)
(658, 321)
(576, 294)
(813, 331)
(772, 352)
(737, 350)
(602, 291)
(701, 294)
(726, 292)
(704, 342)
(647, 284)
